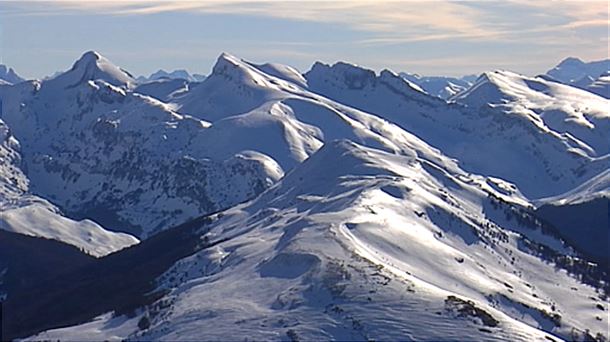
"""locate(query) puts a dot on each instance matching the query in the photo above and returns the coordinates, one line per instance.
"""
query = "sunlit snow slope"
(361, 244)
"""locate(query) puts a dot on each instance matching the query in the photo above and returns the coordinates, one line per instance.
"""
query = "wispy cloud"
(479, 33)
(418, 17)
(386, 21)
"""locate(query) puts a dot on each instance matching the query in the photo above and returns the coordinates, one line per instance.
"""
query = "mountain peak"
(237, 71)
(229, 66)
(344, 74)
(572, 70)
(225, 59)
(90, 55)
(490, 86)
(93, 66)
(9, 75)
(571, 61)
(175, 74)
(343, 68)
(335, 159)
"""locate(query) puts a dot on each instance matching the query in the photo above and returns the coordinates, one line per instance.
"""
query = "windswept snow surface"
(41, 219)
(358, 244)
(93, 66)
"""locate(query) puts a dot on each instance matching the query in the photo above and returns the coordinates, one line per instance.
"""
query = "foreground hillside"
(359, 244)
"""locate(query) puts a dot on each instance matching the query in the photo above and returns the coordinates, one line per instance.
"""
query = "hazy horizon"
(38, 39)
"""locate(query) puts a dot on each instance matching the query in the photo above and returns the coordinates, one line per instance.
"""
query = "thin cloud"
(415, 21)
(577, 13)
(561, 27)
(370, 16)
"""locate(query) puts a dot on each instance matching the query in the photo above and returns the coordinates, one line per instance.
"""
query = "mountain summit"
(573, 70)
(93, 66)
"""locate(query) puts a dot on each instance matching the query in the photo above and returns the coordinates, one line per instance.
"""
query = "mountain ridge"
(321, 262)
(336, 204)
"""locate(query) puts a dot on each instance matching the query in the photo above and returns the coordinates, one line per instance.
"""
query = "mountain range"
(175, 74)
(591, 76)
(441, 86)
(339, 203)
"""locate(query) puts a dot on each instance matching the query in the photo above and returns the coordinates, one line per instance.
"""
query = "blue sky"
(426, 37)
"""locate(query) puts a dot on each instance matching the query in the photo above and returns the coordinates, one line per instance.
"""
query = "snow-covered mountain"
(359, 244)
(173, 75)
(25, 213)
(336, 204)
(8, 75)
(474, 136)
(582, 215)
(574, 71)
(484, 137)
(440, 86)
(577, 115)
(101, 151)
(591, 76)
(121, 142)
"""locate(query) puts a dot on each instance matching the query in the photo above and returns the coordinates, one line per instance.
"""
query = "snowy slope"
(581, 216)
(475, 136)
(42, 219)
(598, 186)
(440, 86)
(574, 71)
(101, 151)
(284, 120)
(419, 226)
(359, 244)
(93, 66)
(164, 89)
(9, 75)
(601, 86)
(483, 137)
(549, 105)
(24, 213)
(460, 133)
(231, 79)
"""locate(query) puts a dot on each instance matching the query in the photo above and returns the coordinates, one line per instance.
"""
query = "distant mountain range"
(339, 203)
(591, 76)
(176, 74)
(441, 86)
